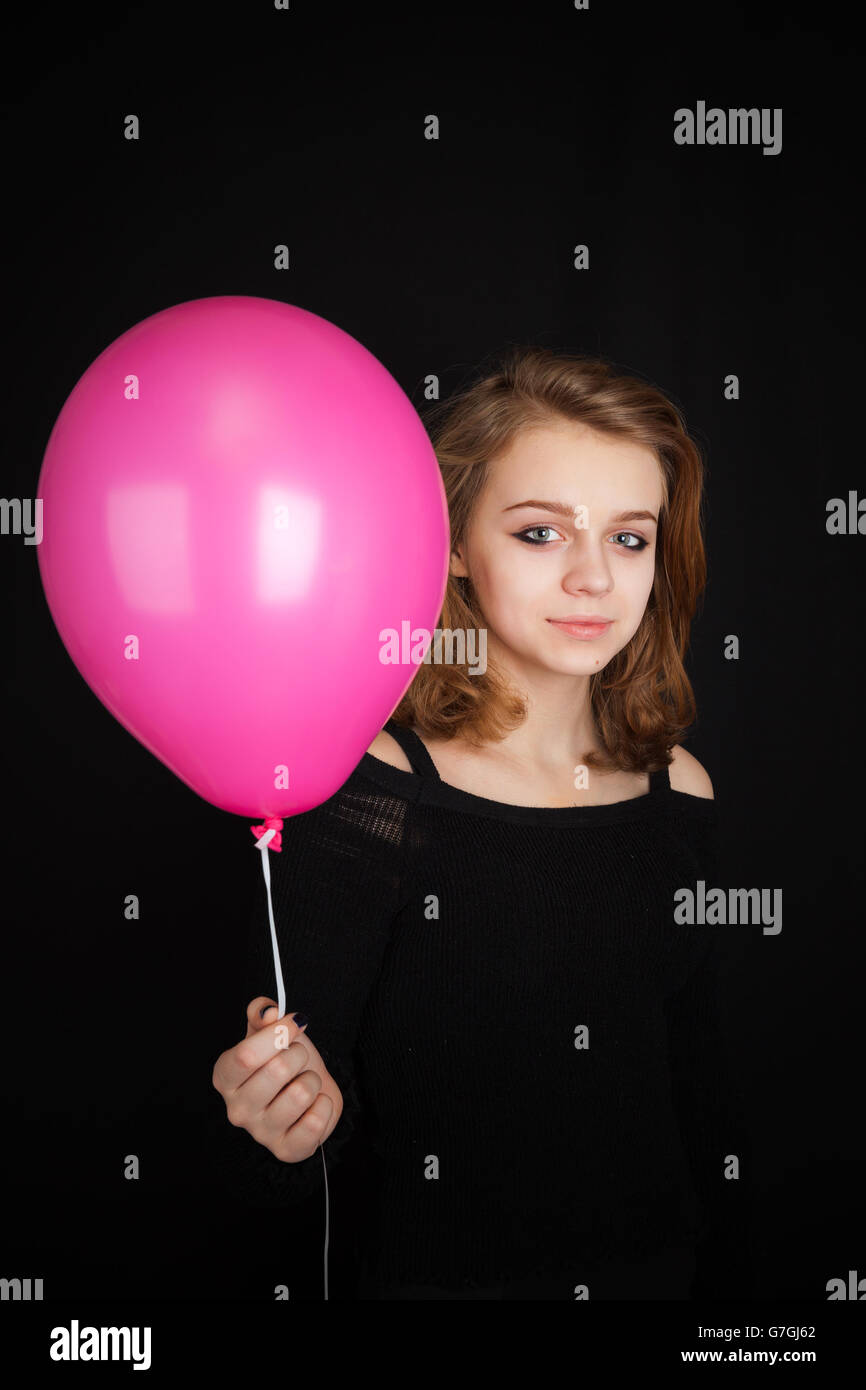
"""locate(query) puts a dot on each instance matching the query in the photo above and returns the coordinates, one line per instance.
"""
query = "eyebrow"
(563, 509)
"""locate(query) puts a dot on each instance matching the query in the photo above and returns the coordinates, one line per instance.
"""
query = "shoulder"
(688, 775)
(387, 750)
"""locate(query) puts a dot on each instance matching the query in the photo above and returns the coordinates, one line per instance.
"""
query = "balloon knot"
(271, 823)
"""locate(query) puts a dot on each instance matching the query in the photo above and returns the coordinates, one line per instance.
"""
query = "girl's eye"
(525, 535)
(640, 543)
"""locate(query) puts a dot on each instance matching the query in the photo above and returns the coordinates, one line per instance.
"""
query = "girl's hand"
(276, 1086)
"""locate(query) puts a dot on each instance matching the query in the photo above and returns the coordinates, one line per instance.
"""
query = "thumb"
(262, 1013)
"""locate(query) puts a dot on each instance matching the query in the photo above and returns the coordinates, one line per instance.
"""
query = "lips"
(582, 619)
(585, 628)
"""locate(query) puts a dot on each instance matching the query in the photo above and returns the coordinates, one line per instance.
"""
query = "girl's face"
(531, 563)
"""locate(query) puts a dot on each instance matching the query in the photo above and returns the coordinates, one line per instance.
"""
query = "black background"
(260, 127)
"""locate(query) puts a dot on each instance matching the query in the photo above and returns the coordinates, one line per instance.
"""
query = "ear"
(457, 567)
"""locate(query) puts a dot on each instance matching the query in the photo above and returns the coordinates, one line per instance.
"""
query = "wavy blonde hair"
(642, 702)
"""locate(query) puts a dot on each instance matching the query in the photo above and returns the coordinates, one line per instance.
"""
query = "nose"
(588, 570)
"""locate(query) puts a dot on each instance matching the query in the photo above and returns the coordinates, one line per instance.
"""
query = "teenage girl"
(500, 991)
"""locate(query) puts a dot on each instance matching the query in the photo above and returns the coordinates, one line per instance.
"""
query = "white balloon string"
(262, 844)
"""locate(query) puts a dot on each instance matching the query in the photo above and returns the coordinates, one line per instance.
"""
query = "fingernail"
(301, 1020)
(263, 1011)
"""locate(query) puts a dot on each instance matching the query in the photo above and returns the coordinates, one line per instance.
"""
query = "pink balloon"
(238, 499)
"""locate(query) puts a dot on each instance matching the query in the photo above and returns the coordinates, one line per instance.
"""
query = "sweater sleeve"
(708, 1097)
(335, 887)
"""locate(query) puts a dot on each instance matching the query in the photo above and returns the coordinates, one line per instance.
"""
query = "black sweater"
(532, 1042)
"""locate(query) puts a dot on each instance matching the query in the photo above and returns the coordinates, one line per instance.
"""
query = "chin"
(584, 663)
